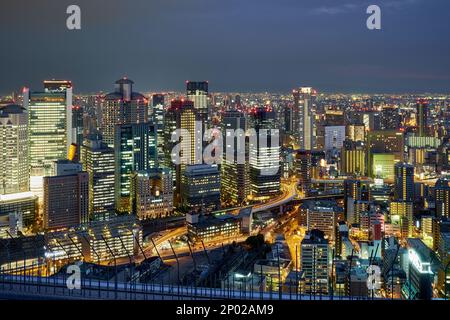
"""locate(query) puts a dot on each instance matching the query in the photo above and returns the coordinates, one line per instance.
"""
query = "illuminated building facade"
(187, 149)
(315, 263)
(157, 116)
(98, 161)
(304, 98)
(200, 186)
(235, 185)
(123, 106)
(77, 129)
(219, 225)
(66, 200)
(334, 137)
(356, 132)
(442, 197)
(353, 158)
(420, 274)
(389, 118)
(135, 150)
(324, 217)
(14, 165)
(22, 206)
(383, 165)
(402, 212)
(387, 142)
(49, 125)
(197, 92)
(152, 194)
(422, 118)
(352, 193)
(264, 154)
(303, 168)
(404, 182)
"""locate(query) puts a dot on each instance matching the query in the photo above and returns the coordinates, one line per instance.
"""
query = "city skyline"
(225, 150)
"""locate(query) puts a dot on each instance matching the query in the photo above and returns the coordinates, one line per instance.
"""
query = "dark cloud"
(238, 45)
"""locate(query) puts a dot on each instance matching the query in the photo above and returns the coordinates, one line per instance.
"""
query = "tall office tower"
(49, 127)
(152, 194)
(352, 193)
(442, 198)
(402, 212)
(419, 284)
(14, 176)
(78, 128)
(264, 154)
(158, 119)
(422, 117)
(123, 106)
(315, 263)
(235, 185)
(384, 149)
(135, 150)
(201, 187)
(404, 182)
(66, 200)
(390, 118)
(353, 158)
(98, 161)
(303, 168)
(304, 98)
(197, 92)
(288, 119)
(187, 149)
(323, 215)
(356, 132)
(334, 137)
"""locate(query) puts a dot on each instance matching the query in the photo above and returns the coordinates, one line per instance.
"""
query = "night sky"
(238, 45)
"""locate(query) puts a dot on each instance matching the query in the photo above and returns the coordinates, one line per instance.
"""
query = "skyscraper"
(422, 117)
(135, 150)
(98, 161)
(402, 211)
(235, 185)
(442, 197)
(390, 118)
(78, 128)
(264, 153)
(303, 118)
(66, 200)
(152, 193)
(197, 92)
(187, 149)
(123, 106)
(14, 165)
(353, 158)
(158, 120)
(352, 193)
(315, 262)
(303, 168)
(200, 187)
(49, 125)
(334, 137)
(404, 182)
